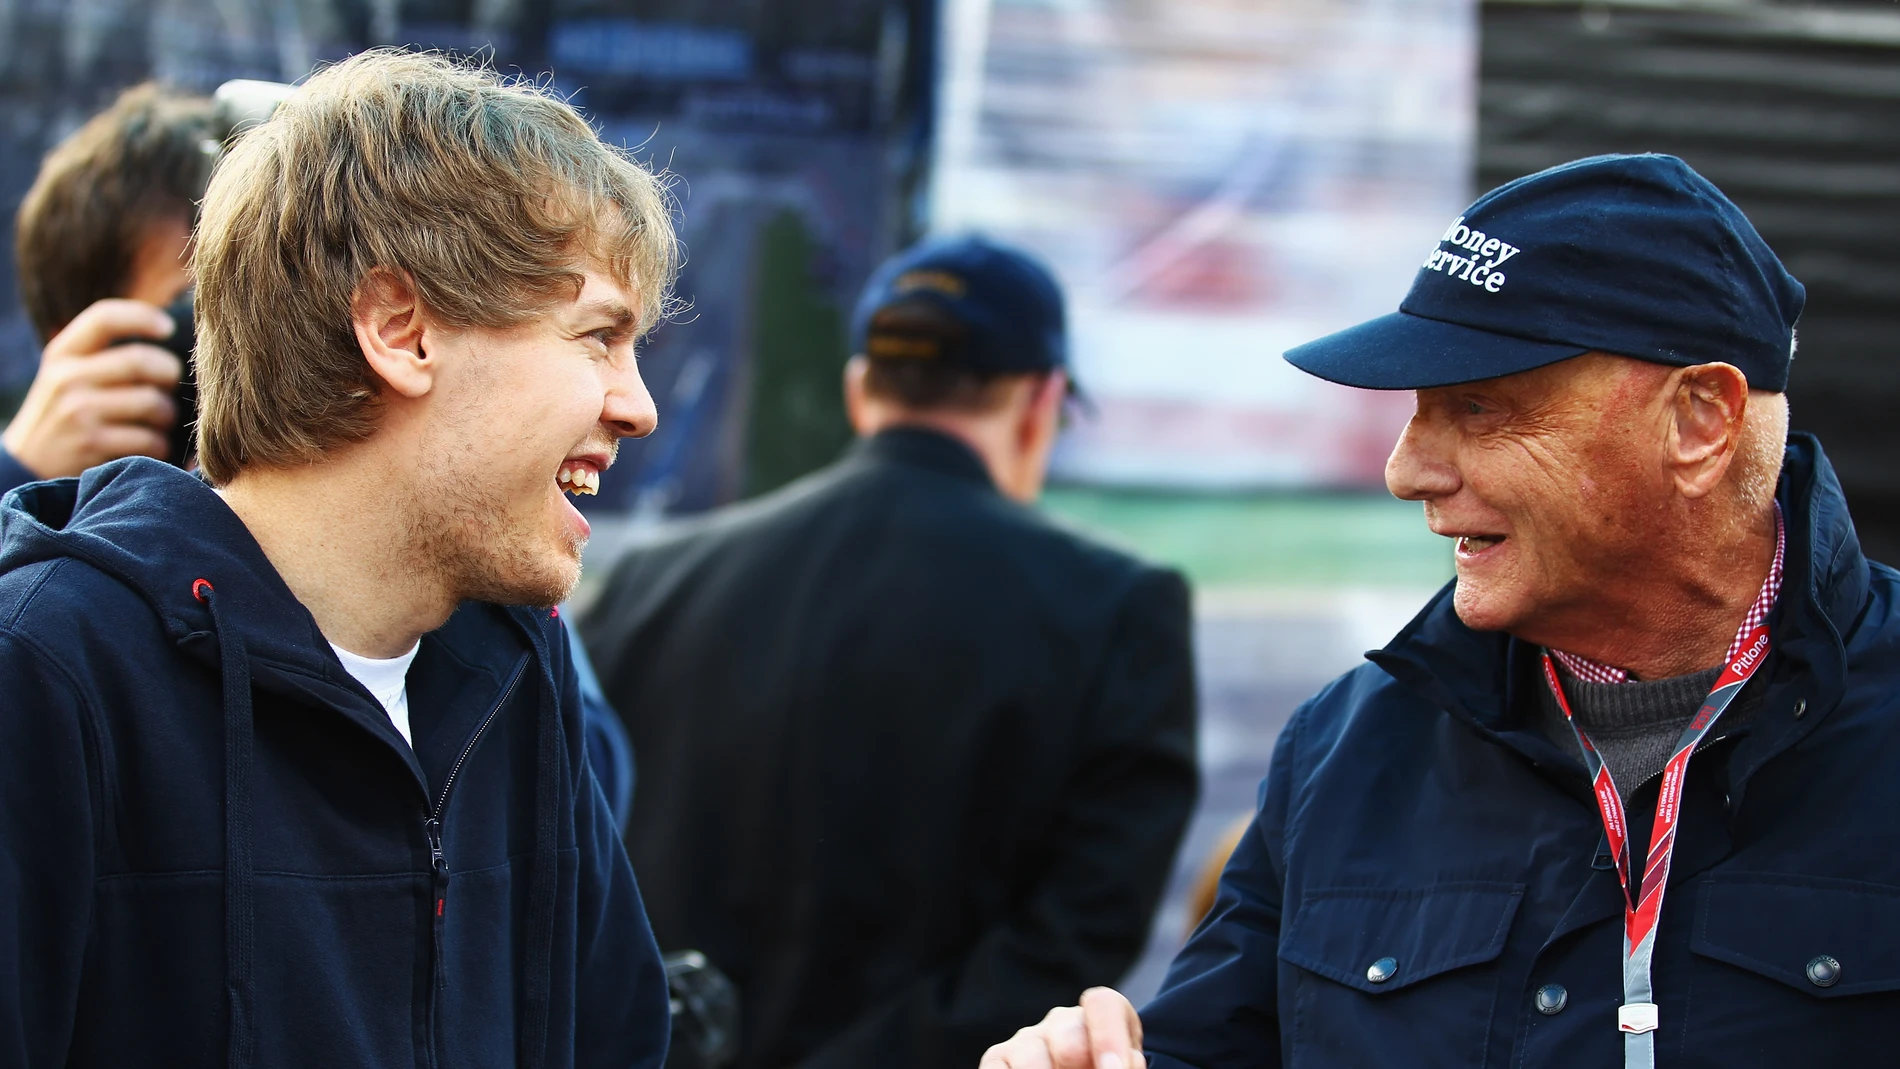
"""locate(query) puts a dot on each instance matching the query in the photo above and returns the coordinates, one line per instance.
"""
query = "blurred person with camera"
(915, 759)
(292, 751)
(101, 241)
(1623, 792)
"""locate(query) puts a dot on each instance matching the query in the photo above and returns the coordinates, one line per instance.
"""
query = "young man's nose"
(1420, 468)
(629, 411)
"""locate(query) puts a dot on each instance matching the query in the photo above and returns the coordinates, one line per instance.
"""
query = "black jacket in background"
(913, 760)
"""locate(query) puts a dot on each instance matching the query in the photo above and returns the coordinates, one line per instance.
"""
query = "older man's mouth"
(1475, 545)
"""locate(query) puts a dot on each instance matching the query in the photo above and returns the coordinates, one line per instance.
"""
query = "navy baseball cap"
(1634, 255)
(965, 301)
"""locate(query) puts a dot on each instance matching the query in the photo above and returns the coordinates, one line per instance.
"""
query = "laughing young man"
(291, 769)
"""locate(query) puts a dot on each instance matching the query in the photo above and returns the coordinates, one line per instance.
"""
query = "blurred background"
(1213, 180)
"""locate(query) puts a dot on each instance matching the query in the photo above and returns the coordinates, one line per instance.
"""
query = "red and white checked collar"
(1590, 671)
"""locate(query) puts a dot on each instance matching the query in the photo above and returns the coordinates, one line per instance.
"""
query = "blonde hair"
(490, 196)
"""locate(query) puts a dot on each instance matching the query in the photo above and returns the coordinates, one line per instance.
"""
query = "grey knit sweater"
(1635, 726)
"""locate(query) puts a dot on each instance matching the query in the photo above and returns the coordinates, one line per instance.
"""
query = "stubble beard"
(484, 553)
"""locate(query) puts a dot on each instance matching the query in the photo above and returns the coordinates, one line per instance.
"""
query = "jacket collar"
(1481, 677)
(920, 447)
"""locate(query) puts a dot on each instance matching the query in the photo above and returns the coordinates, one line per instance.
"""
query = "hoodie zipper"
(432, 829)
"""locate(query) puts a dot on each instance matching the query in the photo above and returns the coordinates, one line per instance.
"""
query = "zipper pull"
(433, 827)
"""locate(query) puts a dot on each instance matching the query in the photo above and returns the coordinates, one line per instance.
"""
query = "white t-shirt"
(387, 679)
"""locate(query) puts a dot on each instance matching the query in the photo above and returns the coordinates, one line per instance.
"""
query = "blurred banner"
(1214, 181)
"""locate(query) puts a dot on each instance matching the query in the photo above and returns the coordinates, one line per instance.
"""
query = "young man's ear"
(1711, 404)
(389, 324)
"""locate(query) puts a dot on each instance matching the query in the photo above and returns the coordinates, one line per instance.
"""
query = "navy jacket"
(1414, 811)
(211, 833)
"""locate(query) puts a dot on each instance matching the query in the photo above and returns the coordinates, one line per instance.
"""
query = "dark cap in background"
(1634, 255)
(966, 302)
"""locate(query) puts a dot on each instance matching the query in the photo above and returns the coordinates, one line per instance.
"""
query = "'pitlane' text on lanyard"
(1638, 1016)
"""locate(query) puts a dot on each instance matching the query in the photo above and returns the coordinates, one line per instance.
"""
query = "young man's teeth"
(579, 480)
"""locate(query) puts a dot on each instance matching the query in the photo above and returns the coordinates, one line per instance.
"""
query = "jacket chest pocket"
(1803, 969)
(1381, 973)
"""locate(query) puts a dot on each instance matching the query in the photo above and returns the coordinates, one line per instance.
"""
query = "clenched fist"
(1102, 1033)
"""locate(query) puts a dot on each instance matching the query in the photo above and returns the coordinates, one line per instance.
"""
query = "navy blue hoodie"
(214, 846)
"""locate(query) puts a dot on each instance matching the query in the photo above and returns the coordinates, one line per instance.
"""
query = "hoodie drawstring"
(239, 901)
(541, 888)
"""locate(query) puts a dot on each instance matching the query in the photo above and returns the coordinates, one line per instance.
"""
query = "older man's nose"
(1415, 471)
(629, 411)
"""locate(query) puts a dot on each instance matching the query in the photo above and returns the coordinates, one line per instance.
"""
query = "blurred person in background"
(101, 243)
(914, 758)
(1623, 793)
(292, 752)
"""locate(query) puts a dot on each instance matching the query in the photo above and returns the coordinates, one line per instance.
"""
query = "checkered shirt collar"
(1589, 671)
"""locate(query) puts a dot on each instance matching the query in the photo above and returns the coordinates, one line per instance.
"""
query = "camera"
(183, 340)
(705, 1008)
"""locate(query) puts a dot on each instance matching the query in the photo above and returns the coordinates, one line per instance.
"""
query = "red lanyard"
(1637, 1018)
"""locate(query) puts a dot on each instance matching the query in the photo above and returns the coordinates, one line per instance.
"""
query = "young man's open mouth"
(581, 475)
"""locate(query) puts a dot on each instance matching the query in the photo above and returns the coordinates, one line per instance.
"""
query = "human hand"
(94, 401)
(1102, 1033)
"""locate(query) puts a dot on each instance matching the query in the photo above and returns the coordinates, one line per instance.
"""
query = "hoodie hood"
(169, 537)
(160, 530)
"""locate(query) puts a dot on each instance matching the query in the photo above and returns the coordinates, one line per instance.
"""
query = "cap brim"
(1407, 352)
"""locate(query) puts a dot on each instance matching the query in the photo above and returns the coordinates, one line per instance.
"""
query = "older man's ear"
(1710, 410)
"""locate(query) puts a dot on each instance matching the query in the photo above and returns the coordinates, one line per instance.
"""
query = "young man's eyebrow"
(608, 309)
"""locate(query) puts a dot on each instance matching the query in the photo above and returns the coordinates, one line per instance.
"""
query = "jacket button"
(1800, 708)
(1380, 971)
(1551, 999)
(1824, 971)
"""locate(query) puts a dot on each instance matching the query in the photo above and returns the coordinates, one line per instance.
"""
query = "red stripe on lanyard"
(1641, 915)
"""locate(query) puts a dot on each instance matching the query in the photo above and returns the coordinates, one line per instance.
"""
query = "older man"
(1621, 794)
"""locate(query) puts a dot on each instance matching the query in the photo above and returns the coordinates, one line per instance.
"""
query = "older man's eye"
(1474, 408)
